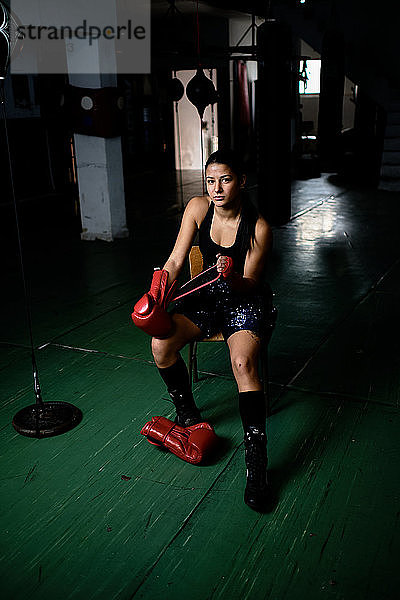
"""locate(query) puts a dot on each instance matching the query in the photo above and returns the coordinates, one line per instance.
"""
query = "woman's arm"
(194, 213)
(255, 259)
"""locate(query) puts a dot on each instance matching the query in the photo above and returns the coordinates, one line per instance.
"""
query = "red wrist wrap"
(227, 272)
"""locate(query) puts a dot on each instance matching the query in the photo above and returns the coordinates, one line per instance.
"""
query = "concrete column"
(99, 160)
(101, 187)
(274, 113)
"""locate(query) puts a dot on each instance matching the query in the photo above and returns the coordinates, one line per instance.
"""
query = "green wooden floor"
(98, 513)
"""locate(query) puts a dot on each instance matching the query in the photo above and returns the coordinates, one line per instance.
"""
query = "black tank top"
(210, 249)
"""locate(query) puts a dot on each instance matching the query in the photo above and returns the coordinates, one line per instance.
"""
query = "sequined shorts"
(218, 308)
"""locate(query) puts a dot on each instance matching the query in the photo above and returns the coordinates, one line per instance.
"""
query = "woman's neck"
(229, 213)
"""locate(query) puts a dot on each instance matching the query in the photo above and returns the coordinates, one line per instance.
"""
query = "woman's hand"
(224, 265)
(236, 281)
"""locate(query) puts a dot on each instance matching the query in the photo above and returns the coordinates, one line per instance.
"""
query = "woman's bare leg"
(165, 350)
(244, 347)
(173, 370)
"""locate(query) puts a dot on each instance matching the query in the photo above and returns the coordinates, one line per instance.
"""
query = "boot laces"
(256, 457)
(187, 412)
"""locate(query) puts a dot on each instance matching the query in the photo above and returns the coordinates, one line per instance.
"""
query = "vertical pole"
(178, 133)
(331, 100)
(202, 156)
(274, 109)
(369, 128)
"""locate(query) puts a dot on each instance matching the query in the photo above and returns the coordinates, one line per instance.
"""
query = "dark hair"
(249, 212)
(226, 157)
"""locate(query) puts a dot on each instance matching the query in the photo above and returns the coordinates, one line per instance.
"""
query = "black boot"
(187, 412)
(253, 414)
(256, 494)
(177, 379)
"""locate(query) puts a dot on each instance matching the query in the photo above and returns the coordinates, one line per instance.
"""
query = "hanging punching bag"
(201, 91)
(175, 89)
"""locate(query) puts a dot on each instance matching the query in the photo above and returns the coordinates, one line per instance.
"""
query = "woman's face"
(223, 185)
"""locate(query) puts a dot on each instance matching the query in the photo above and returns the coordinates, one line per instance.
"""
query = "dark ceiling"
(218, 8)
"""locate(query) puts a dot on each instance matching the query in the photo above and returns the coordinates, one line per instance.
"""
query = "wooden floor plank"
(391, 282)
(100, 490)
(10, 355)
(113, 333)
(322, 264)
(362, 357)
(334, 531)
(63, 311)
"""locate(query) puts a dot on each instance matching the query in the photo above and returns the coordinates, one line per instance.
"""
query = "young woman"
(239, 306)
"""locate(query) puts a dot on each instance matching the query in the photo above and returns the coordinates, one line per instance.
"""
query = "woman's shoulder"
(262, 224)
(263, 230)
(198, 207)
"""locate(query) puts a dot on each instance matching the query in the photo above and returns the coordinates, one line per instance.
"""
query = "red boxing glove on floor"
(192, 444)
(149, 313)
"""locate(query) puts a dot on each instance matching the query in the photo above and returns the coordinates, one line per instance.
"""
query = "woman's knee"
(244, 365)
(164, 352)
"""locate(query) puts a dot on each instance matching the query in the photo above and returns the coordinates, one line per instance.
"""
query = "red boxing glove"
(158, 287)
(151, 318)
(149, 313)
(192, 444)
